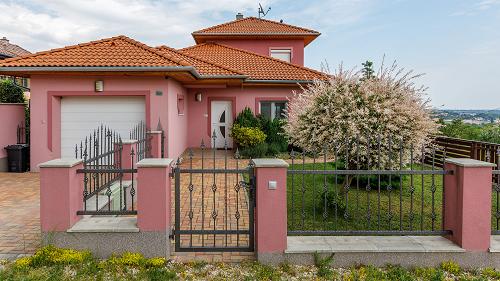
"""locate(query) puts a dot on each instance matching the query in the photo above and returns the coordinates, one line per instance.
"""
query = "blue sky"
(455, 43)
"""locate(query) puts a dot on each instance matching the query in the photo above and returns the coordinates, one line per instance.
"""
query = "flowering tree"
(363, 117)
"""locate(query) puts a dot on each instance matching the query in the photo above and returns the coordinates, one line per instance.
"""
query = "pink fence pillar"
(61, 194)
(271, 209)
(153, 198)
(467, 202)
(155, 138)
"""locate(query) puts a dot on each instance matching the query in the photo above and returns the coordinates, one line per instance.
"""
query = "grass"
(51, 263)
(359, 209)
(354, 205)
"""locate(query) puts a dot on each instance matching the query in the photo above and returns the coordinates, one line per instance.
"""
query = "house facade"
(192, 92)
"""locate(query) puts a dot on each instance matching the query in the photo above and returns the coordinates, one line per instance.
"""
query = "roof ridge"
(203, 60)
(153, 50)
(258, 55)
(201, 31)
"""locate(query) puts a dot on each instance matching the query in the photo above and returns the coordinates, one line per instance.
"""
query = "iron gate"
(214, 202)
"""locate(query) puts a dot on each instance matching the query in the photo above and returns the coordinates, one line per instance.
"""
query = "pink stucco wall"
(263, 47)
(11, 115)
(177, 123)
(199, 117)
(46, 92)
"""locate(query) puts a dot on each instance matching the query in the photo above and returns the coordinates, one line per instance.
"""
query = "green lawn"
(54, 264)
(306, 206)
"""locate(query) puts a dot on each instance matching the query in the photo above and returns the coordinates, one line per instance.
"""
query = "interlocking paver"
(19, 213)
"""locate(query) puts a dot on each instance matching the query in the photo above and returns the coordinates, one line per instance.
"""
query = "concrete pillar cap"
(469, 163)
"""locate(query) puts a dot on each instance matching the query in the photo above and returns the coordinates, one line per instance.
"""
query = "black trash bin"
(18, 157)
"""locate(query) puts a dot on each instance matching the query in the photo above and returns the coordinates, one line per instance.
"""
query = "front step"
(98, 202)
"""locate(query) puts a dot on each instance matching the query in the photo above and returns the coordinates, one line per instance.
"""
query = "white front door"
(222, 120)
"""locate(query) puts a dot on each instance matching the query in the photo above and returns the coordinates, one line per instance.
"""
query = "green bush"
(333, 197)
(246, 119)
(274, 129)
(256, 151)
(51, 255)
(247, 136)
(10, 93)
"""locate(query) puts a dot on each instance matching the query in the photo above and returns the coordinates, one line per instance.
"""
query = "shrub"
(10, 93)
(246, 119)
(128, 259)
(275, 131)
(350, 107)
(247, 136)
(451, 267)
(155, 262)
(333, 197)
(51, 255)
(256, 151)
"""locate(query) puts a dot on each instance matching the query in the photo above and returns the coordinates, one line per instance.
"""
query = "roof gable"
(254, 27)
(119, 51)
(11, 50)
(257, 67)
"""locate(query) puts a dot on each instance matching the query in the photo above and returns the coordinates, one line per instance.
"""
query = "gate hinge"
(172, 235)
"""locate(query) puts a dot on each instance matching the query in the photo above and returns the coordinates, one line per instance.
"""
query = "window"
(282, 54)
(273, 109)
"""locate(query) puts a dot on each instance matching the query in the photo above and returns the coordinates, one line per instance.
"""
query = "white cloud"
(42, 24)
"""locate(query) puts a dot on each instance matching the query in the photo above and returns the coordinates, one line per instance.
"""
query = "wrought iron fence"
(495, 214)
(108, 187)
(214, 202)
(140, 133)
(367, 186)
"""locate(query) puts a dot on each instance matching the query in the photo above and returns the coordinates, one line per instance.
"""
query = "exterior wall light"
(99, 85)
(198, 97)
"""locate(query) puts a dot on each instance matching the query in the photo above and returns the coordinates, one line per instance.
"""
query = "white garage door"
(82, 115)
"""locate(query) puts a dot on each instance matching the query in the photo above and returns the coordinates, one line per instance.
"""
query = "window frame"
(288, 50)
(273, 106)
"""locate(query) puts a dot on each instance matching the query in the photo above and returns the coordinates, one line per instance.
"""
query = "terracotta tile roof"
(203, 67)
(11, 50)
(254, 27)
(119, 51)
(257, 67)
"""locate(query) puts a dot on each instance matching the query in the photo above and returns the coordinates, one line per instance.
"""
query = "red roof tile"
(254, 27)
(11, 50)
(204, 67)
(119, 51)
(257, 67)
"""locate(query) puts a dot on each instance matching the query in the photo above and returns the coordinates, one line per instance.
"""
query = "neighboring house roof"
(203, 66)
(9, 50)
(252, 27)
(257, 67)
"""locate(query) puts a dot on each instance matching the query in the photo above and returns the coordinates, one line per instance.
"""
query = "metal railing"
(495, 214)
(367, 186)
(140, 133)
(106, 192)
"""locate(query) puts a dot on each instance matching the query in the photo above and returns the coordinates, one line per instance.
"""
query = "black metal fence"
(214, 202)
(140, 134)
(496, 197)
(369, 186)
(109, 189)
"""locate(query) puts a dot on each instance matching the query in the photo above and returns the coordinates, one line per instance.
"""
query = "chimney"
(239, 16)
(4, 41)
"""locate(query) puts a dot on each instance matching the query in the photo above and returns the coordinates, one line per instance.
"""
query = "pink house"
(192, 92)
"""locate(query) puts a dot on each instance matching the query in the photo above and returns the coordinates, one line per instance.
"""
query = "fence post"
(271, 210)
(155, 139)
(153, 200)
(467, 204)
(128, 156)
(61, 194)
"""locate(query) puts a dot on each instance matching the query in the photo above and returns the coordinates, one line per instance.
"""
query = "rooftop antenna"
(261, 11)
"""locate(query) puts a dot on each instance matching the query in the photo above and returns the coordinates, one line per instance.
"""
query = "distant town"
(477, 117)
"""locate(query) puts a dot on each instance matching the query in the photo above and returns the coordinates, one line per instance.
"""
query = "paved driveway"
(19, 213)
